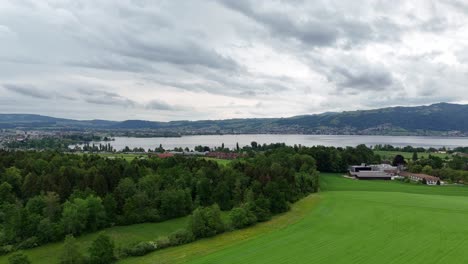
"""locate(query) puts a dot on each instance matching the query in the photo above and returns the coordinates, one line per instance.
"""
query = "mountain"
(436, 119)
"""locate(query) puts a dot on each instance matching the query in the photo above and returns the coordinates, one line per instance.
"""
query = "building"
(373, 172)
(424, 178)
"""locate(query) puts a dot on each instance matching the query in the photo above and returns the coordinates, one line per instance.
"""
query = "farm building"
(373, 172)
(427, 179)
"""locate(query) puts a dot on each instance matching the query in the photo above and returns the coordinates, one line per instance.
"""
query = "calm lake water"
(305, 140)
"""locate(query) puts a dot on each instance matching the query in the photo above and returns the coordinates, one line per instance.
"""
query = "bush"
(142, 248)
(29, 243)
(163, 242)
(206, 222)
(102, 250)
(181, 237)
(241, 217)
(6, 249)
(18, 258)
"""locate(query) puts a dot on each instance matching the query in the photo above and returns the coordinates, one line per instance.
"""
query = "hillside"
(436, 119)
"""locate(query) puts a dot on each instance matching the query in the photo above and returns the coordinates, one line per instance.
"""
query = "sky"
(221, 59)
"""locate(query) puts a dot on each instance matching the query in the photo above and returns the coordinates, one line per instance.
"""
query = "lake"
(305, 140)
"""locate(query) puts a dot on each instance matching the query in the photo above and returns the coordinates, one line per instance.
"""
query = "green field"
(350, 221)
(353, 222)
(122, 236)
(389, 155)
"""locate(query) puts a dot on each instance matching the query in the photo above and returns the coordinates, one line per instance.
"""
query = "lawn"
(389, 155)
(122, 236)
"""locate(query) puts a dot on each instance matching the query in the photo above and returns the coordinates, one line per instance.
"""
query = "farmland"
(354, 222)
(350, 221)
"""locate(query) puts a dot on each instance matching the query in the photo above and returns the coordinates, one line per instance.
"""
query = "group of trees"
(453, 170)
(45, 196)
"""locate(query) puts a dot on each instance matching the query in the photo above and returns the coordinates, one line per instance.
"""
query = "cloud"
(27, 91)
(189, 60)
(163, 106)
(363, 79)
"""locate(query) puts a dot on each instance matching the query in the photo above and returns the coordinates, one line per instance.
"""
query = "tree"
(18, 258)
(254, 144)
(398, 160)
(241, 217)
(206, 222)
(75, 216)
(52, 206)
(13, 177)
(427, 170)
(415, 156)
(102, 250)
(416, 168)
(71, 253)
(6, 193)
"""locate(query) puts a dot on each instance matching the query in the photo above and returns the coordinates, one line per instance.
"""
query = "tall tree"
(71, 253)
(102, 250)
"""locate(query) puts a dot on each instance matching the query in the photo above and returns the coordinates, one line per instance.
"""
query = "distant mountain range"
(437, 119)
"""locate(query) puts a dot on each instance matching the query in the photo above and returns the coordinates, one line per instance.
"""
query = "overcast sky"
(217, 59)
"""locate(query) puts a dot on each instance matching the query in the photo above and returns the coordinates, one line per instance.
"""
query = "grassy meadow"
(352, 222)
(348, 222)
(122, 236)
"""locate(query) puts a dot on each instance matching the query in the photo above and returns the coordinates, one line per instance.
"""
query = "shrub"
(241, 217)
(29, 243)
(18, 258)
(102, 250)
(6, 249)
(206, 222)
(142, 248)
(163, 242)
(181, 237)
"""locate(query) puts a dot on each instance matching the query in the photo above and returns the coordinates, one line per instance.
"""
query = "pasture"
(353, 222)
(349, 221)
(122, 236)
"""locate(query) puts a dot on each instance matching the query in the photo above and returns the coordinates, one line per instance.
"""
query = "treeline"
(409, 149)
(47, 195)
(331, 159)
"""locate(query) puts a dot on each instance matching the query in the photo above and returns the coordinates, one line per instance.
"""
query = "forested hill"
(436, 119)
